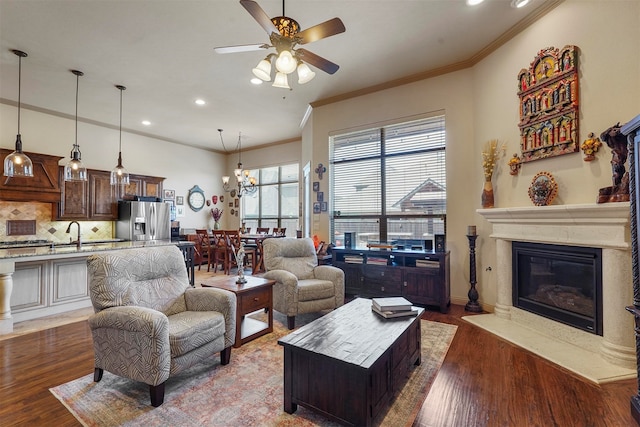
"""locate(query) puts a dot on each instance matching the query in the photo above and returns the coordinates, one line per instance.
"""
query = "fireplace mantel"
(603, 226)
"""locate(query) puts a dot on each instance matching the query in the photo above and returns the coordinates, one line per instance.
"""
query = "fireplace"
(602, 226)
(562, 283)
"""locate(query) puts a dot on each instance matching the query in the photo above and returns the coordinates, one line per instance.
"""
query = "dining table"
(258, 239)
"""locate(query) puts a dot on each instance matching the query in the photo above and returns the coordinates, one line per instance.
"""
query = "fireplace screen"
(563, 283)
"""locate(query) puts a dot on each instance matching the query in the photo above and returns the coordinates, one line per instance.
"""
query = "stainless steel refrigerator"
(139, 221)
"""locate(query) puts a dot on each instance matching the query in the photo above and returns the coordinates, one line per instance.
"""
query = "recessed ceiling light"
(474, 2)
(519, 3)
(256, 81)
(200, 101)
(146, 122)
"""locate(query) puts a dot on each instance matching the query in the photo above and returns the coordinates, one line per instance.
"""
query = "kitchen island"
(38, 281)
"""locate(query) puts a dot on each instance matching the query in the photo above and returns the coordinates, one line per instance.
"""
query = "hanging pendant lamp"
(119, 175)
(74, 170)
(17, 163)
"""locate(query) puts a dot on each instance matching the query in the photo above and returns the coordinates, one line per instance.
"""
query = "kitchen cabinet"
(142, 185)
(46, 287)
(96, 199)
(419, 276)
(103, 204)
(74, 200)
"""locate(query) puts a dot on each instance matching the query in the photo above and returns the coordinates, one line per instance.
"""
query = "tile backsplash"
(46, 228)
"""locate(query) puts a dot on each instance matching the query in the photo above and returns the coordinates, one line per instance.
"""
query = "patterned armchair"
(149, 324)
(302, 286)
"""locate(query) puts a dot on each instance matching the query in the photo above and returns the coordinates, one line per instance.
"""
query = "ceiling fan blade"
(318, 61)
(240, 48)
(259, 15)
(326, 29)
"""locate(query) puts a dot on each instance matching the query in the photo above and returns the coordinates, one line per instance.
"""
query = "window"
(389, 183)
(275, 203)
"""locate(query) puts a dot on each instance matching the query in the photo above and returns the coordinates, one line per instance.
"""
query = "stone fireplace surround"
(603, 358)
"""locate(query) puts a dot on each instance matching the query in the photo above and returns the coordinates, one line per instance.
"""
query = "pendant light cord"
(120, 143)
(19, 88)
(77, 85)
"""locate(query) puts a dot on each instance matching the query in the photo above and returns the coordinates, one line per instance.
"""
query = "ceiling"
(162, 51)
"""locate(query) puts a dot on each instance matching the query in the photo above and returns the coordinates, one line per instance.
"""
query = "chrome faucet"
(79, 241)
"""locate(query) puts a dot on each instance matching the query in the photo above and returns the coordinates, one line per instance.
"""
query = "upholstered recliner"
(149, 324)
(302, 286)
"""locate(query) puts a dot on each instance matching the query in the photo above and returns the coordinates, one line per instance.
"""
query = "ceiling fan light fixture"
(305, 74)
(281, 81)
(263, 70)
(286, 63)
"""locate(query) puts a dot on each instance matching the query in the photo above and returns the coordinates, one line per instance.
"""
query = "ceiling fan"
(284, 35)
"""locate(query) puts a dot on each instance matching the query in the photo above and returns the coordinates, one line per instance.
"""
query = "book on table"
(393, 314)
(391, 304)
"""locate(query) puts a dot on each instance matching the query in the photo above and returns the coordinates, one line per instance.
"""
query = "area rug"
(247, 392)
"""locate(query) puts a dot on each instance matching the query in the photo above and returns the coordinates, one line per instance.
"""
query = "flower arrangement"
(216, 214)
(490, 155)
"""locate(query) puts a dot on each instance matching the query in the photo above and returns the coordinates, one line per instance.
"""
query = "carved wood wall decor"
(548, 92)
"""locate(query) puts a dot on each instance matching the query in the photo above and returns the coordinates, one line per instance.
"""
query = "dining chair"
(262, 230)
(279, 231)
(234, 240)
(203, 245)
(220, 251)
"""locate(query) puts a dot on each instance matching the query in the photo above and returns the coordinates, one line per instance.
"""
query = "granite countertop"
(70, 250)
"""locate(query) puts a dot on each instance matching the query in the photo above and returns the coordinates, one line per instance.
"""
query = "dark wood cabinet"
(96, 199)
(74, 203)
(421, 277)
(102, 196)
(142, 185)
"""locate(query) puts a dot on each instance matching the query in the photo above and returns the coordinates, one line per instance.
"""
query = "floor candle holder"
(473, 305)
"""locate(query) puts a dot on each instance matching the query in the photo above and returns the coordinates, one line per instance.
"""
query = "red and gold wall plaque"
(548, 92)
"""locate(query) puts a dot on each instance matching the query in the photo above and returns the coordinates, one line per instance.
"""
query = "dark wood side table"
(252, 296)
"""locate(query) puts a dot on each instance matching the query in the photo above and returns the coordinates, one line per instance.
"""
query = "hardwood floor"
(484, 381)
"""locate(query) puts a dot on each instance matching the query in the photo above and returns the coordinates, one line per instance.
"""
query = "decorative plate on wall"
(543, 189)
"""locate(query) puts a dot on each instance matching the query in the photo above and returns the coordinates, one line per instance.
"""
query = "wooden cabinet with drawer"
(422, 277)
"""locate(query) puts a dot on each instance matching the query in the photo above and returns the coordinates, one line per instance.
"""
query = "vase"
(216, 225)
(487, 195)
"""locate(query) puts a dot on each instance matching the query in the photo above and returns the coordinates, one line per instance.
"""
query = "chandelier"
(246, 183)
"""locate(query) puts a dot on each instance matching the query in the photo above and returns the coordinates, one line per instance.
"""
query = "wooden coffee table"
(256, 294)
(349, 364)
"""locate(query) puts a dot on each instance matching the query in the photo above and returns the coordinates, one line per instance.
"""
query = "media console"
(422, 277)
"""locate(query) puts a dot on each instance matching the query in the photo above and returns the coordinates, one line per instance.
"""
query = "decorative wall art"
(543, 189)
(179, 200)
(169, 194)
(590, 147)
(548, 92)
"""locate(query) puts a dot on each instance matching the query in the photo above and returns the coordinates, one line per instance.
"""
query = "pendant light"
(119, 175)
(74, 170)
(17, 163)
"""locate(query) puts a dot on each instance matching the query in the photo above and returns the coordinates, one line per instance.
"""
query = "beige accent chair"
(302, 286)
(149, 324)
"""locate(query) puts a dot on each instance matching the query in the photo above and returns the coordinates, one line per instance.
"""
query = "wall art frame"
(549, 104)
